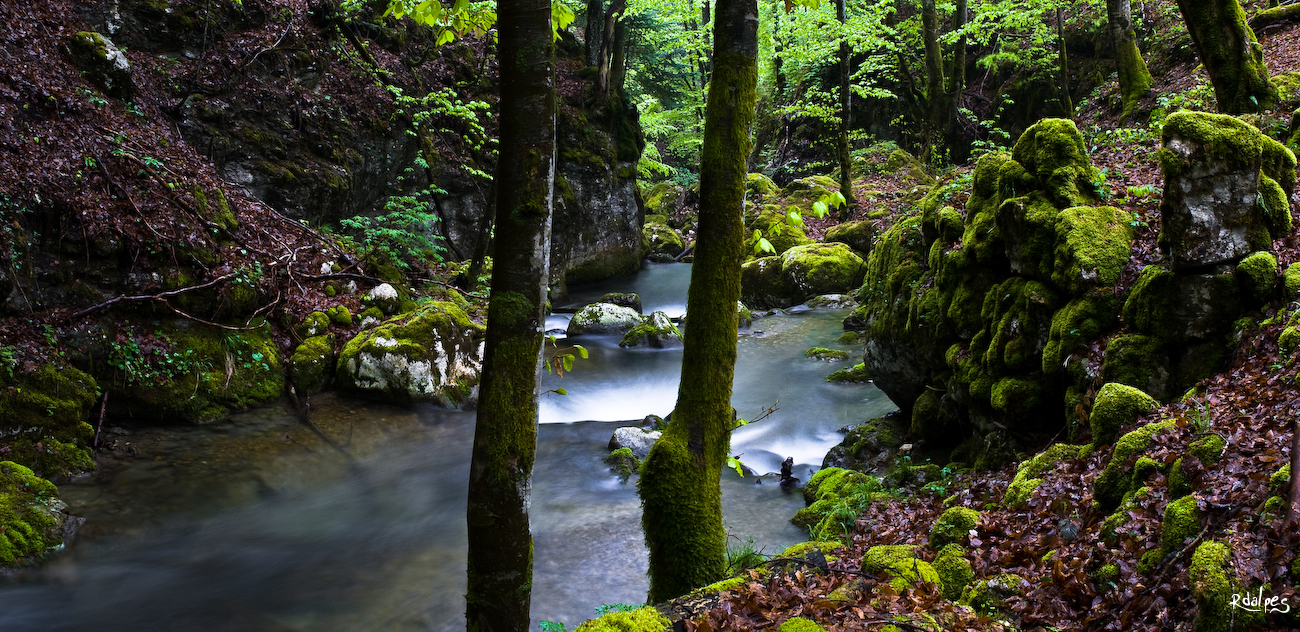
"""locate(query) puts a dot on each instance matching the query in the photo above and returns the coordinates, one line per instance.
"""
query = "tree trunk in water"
(1232, 57)
(595, 22)
(1134, 78)
(936, 113)
(1066, 102)
(500, 563)
(846, 102)
(680, 496)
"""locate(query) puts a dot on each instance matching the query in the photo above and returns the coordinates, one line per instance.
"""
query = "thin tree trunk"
(679, 490)
(1066, 102)
(591, 33)
(1231, 55)
(500, 562)
(957, 75)
(1293, 508)
(1134, 78)
(618, 67)
(778, 54)
(846, 102)
(607, 47)
(934, 96)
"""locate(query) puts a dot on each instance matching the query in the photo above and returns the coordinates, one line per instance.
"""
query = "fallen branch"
(162, 296)
(1276, 15)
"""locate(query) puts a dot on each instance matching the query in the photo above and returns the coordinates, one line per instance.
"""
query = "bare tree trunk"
(680, 495)
(846, 103)
(1134, 78)
(500, 556)
(957, 75)
(607, 47)
(936, 113)
(1293, 508)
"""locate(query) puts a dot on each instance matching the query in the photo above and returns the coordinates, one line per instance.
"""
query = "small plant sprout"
(561, 360)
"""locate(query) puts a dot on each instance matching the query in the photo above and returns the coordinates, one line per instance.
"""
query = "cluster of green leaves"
(794, 217)
(8, 359)
(400, 232)
(13, 238)
(156, 364)
(560, 361)
(460, 19)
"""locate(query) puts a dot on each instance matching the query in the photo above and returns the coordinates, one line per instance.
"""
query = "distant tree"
(505, 436)
(679, 486)
(846, 101)
(1231, 55)
(1134, 78)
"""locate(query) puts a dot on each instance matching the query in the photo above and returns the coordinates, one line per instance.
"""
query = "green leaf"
(734, 463)
(763, 245)
(819, 209)
(561, 391)
(837, 199)
(582, 351)
(568, 362)
(793, 218)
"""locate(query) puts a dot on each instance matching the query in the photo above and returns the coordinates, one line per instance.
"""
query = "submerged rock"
(603, 318)
(634, 439)
(431, 354)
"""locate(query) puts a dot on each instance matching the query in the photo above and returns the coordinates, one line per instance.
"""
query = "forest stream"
(258, 523)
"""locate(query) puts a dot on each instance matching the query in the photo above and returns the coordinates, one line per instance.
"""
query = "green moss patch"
(43, 418)
(953, 526)
(31, 520)
(902, 565)
(1117, 405)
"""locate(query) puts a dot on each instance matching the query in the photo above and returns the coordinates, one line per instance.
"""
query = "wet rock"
(661, 243)
(832, 301)
(657, 331)
(312, 364)
(104, 65)
(43, 419)
(431, 354)
(622, 299)
(761, 284)
(32, 517)
(385, 297)
(603, 318)
(634, 439)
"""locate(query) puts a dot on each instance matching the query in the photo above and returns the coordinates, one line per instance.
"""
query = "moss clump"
(623, 461)
(1150, 302)
(645, 619)
(857, 235)
(1107, 575)
(799, 624)
(1280, 480)
(1208, 450)
(953, 526)
(1109, 488)
(759, 185)
(1092, 247)
(30, 514)
(1224, 139)
(992, 594)
(340, 315)
(657, 332)
(1277, 208)
(1109, 531)
(315, 324)
(1082, 320)
(822, 353)
(802, 549)
(856, 373)
(1211, 586)
(1258, 272)
(1027, 473)
(1291, 282)
(1143, 468)
(1181, 521)
(954, 570)
(312, 364)
(43, 419)
(899, 561)
(1139, 361)
(849, 338)
(1117, 405)
(1053, 152)
(815, 269)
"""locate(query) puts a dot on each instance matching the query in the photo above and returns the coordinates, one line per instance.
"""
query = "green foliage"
(742, 555)
(401, 232)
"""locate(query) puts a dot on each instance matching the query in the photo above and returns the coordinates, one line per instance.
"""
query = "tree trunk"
(1293, 507)
(778, 54)
(1066, 102)
(680, 496)
(591, 33)
(936, 113)
(618, 67)
(1232, 57)
(957, 75)
(505, 435)
(607, 47)
(846, 102)
(1134, 78)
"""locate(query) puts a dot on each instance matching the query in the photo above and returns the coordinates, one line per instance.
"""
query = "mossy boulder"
(1074, 326)
(603, 319)
(855, 373)
(810, 189)
(623, 299)
(1258, 274)
(660, 242)
(1291, 282)
(953, 526)
(1139, 361)
(1209, 213)
(1053, 153)
(43, 417)
(31, 515)
(770, 224)
(340, 315)
(830, 355)
(644, 619)
(816, 269)
(762, 286)
(665, 198)
(901, 564)
(1209, 578)
(993, 594)
(1117, 405)
(623, 462)
(954, 570)
(760, 186)
(431, 354)
(1115, 480)
(315, 324)
(656, 332)
(312, 364)
(857, 235)
(1181, 522)
(825, 494)
(384, 297)
(1029, 472)
(103, 63)
(1092, 247)
(867, 445)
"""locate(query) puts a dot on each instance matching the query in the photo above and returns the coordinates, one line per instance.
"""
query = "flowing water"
(261, 523)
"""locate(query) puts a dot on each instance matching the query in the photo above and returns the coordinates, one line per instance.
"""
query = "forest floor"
(1055, 544)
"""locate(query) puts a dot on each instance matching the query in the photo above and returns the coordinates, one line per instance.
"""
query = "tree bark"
(1134, 78)
(1275, 15)
(1231, 55)
(591, 33)
(936, 113)
(778, 53)
(505, 435)
(1066, 102)
(846, 102)
(607, 47)
(680, 496)
(957, 75)
(1293, 507)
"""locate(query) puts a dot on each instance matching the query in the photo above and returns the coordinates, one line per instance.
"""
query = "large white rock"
(635, 439)
(603, 318)
(431, 354)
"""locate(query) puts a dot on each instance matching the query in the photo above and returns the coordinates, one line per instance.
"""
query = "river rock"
(30, 512)
(832, 301)
(1211, 212)
(104, 65)
(603, 318)
(635, 439)
(622, 299)
(815, 269)
(312, 364)
(857, 235)
(431, 354)
(657, 331)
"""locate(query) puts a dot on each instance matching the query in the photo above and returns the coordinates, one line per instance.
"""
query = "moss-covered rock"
(431, 354)
(657, 331)
(312, 364)
(1211, 585)
(994, 593)
(902, 565)
(1053, 152)
(315, 324)
(1074, 326)
(644, 619)
(1109, 531)
(103, 63)
(623, 299)
(603, 319)
(1207, 450)
(623, 462)
(665, 198)
(340, 315)
(866, 445)
(1276, 205)
(1258, 273)
(771, 224)
(830, 355)
(1138, 361)
(815, 269)
(43, 418)
(1092, 247)
(385, 297)
(1291, 282)
(953, 526)
(1117, 405)
(1149, 308)
(834, 496)
(1115, 480)
(849, 338)
(31, 514)
(857, 235)
(1028, 473)
(1181, 522)
(762, 286)
(760, 186)
(954, 570)
(661, 242)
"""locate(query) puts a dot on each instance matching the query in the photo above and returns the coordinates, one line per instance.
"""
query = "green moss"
(645, 619)
(312, 364)
(799, 624)
(822, 353)
(1114, 482)
(1020, 491)
(623, 461)
(1143, 468)
(1053, 152)
(762, 286)
(992, 594)
(857, 235)
(1018, 397)
(1027, 473)
(900, 562)
(814, 269)
(1211, 586)
(798, 551)
(1277, 207)
(29, 524)
(1117, 405)
(315, 324)
(930, 420)
(1111, 525)
(759, 185)
(660, 239)
(1081, 321)
(43, 419)
(1138, 361)
(1291, 282)
(431, 342)
(1224, 139)
(340, 315)
(954, 570)
(1107, 575)
(1092, 247)
(1150, 303)
(849, 338)
(1258, 272)
(953, 525)
(1207, 449)
(1280, 480)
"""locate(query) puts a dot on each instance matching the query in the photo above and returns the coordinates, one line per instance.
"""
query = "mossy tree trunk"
(1067, 104)
(1231, 55)
(846, 101)
(594, 28)
(936, 115)
(607, 43)
(679, 490)
(1134, 78)
(505, 435)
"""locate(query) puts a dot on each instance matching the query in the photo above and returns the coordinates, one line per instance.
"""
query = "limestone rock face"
(635, 439)
(431, 354)
(1211, 213)
(104, 65)
(603, 318)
